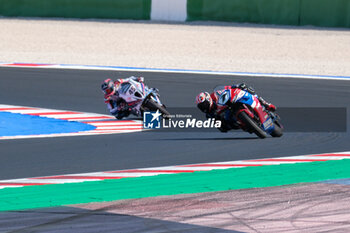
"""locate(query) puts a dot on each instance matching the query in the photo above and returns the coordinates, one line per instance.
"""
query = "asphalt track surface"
(79, 90)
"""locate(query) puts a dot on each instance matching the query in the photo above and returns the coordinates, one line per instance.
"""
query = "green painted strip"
(107, 9)
(204, 181)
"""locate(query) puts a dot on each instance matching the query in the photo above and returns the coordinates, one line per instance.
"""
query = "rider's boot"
(135, 112)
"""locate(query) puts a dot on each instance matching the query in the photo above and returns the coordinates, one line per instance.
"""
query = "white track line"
(140, 69)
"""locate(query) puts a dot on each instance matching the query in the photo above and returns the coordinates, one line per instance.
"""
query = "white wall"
(169, 10)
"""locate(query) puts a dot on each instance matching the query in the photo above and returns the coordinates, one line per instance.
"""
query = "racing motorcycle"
(252, 117)
(139, 98)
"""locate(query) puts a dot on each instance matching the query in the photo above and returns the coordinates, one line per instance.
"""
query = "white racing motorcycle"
(139, 98)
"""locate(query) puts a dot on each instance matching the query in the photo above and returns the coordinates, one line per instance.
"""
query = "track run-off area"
(77, 91)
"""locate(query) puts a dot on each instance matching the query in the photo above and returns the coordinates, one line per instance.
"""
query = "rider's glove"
(141, 79)
(242, 86)
(267, 105)
(155, 90)
(272, 107)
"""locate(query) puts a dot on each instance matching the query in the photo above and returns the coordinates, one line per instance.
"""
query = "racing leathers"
(116, 105)
(222, 113)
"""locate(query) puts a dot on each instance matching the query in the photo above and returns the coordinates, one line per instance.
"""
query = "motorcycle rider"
(116, 105)
(207, 103)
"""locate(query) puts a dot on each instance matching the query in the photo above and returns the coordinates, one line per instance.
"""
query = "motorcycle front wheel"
(151, 105)
(252, 125)
(277, 132)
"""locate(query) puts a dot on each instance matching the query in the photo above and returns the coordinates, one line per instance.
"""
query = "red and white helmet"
(204, 101)
(108, 87)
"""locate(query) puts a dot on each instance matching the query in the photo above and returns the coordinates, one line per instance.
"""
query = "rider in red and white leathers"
(208, 103)
(115, 104)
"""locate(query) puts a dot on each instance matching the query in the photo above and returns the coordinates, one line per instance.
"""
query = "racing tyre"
(153, 106)
(250, 124)
(277, 132)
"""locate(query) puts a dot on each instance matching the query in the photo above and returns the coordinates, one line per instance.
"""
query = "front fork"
(276, 119)
(149, 96)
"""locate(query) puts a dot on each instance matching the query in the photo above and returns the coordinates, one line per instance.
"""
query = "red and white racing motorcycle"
(251, 115)
(139, 98)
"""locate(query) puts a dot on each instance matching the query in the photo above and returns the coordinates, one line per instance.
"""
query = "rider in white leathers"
(115, 104)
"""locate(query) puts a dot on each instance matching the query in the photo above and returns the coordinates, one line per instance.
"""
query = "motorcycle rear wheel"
(249, 123)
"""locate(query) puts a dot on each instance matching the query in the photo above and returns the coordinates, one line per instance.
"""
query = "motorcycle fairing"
(246, 98)
(134, 93)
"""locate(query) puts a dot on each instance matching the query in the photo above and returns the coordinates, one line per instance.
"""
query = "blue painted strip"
(15, 124)
(206, 71)
(340, 181)
(125, 68)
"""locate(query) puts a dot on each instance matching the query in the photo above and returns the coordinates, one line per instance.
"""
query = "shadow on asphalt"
(68, 219)
(208, 139)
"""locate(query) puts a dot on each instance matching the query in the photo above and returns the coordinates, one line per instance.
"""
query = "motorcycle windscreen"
(244, 97)
(124, 87)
